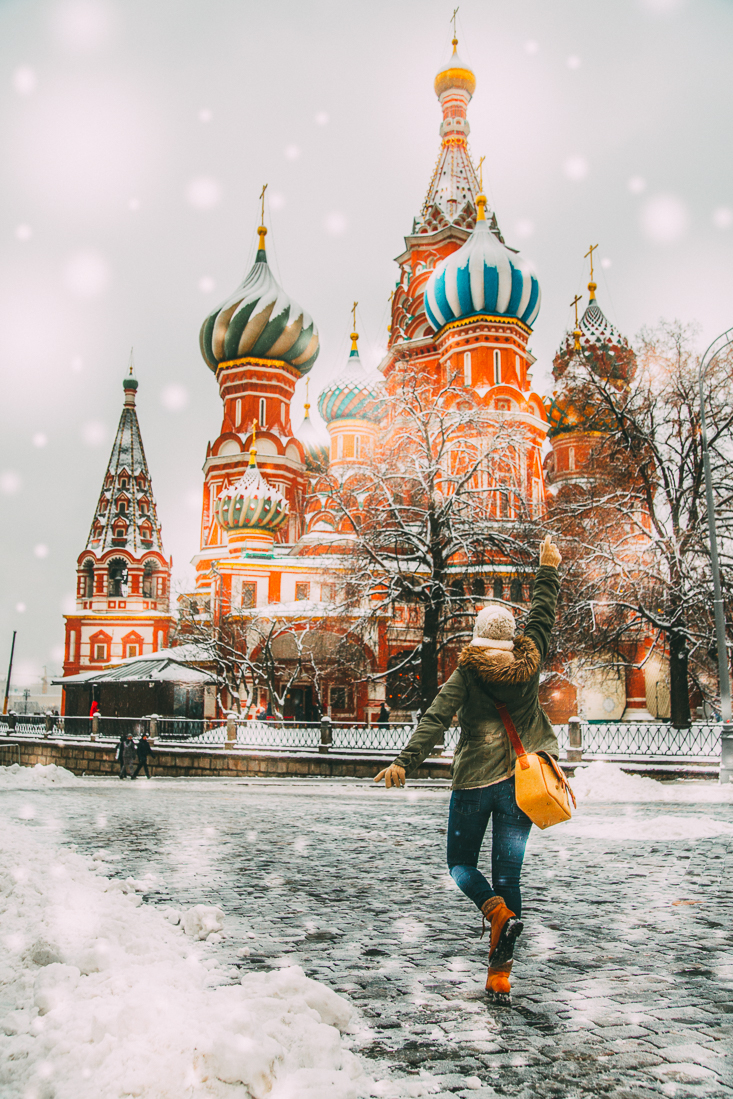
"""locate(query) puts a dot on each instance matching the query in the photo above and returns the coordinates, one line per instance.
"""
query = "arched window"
(87, 590)
(516, 593)
(478, 585)
(466, 367)
(237, 413)
(117, 577)
(263, 411)
(498, 588)
(571, 458)
(497, 367)
(148, 570)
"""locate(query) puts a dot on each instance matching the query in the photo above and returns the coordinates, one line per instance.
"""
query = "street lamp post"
(726, 746)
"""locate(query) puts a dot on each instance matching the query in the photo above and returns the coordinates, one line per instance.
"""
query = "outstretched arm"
(431, 726)
(544, 597)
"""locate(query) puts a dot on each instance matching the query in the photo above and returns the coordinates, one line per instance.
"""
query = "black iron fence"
(613, 739)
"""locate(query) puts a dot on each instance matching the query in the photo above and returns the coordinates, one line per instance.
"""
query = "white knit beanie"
(495, 622)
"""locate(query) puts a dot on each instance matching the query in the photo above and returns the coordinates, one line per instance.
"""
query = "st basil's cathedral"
(272, 542)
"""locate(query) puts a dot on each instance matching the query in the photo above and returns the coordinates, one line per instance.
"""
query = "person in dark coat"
(144, 750)
(128, 756)
(500, 666)
(383, 719)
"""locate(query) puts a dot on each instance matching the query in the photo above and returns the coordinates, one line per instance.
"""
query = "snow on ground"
(33, 778)
(102, 996)
(603, 781)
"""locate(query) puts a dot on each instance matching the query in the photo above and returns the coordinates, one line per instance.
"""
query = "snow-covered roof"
(159, 668)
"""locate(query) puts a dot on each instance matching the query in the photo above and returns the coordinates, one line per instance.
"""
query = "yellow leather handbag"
(540, 786)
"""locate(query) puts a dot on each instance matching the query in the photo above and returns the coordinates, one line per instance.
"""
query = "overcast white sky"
(135, 138)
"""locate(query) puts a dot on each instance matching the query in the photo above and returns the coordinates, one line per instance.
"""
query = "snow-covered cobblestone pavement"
(623, 983)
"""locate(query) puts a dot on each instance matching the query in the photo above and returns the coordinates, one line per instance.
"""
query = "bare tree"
(635, 526)
(445, 498)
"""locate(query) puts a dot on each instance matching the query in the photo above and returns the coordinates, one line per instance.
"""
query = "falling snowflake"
(9, 483)
(203, 193)
(25, 80)
(664, 219)
(174, 398)
(576, 168)
(87, 274)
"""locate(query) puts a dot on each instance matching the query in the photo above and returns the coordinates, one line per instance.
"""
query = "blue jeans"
(468, 820)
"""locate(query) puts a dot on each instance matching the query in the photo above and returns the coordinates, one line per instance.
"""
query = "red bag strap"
(511, 730)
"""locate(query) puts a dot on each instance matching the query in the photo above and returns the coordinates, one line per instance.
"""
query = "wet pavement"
(623, 981)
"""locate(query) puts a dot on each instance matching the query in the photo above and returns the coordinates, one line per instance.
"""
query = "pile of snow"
(31, 778)
(104, 997)
(635, 827)
(601, 781)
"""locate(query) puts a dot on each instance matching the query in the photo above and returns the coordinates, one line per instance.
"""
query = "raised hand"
(549, 553)
(392, 775)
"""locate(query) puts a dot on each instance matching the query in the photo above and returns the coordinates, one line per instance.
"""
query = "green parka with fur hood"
(484, 754)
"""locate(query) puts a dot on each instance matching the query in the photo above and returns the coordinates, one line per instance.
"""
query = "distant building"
(123, 576)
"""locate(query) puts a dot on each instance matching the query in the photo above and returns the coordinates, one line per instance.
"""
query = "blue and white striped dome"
(482, 276)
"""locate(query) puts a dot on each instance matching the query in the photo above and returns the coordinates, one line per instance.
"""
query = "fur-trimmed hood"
(491, 665)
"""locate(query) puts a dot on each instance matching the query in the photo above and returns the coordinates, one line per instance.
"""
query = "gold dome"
(455, 75)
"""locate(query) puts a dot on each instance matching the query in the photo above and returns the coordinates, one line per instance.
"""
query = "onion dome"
(355, 394)
(594, 347)
(482, 276)
(455, 75)
(600, 344)
(315, 447)
(250, 504)
(259, 320)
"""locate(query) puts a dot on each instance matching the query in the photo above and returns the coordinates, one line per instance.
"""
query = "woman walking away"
(128, 757)
(500, 665)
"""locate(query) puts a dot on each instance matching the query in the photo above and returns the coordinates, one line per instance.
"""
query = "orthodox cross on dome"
(354, 333)
(307, 405)
(576, 332)
(480, 168)
(253, 447)
(589, 255)
(132, 362)
(453, 21)
(262, 229)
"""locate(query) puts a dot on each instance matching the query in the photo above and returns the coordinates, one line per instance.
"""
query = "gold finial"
(253, 447)
(591, 285)
(132, 361)
(262, 230)
(307, 399)
(354, 334)
(481, 197)
(455, 35)
(576, 333)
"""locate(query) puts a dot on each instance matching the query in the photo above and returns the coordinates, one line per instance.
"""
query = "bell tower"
(123, 575)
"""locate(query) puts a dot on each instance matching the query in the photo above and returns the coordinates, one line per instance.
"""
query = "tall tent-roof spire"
(126, 517)
(454, 185)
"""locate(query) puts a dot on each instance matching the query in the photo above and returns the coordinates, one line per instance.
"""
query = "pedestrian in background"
(128, 756)
(495, 665)
(383, 719)
(144, 750)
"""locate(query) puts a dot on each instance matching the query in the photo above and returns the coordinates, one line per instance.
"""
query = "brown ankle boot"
(498, 986)
(505, 930)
